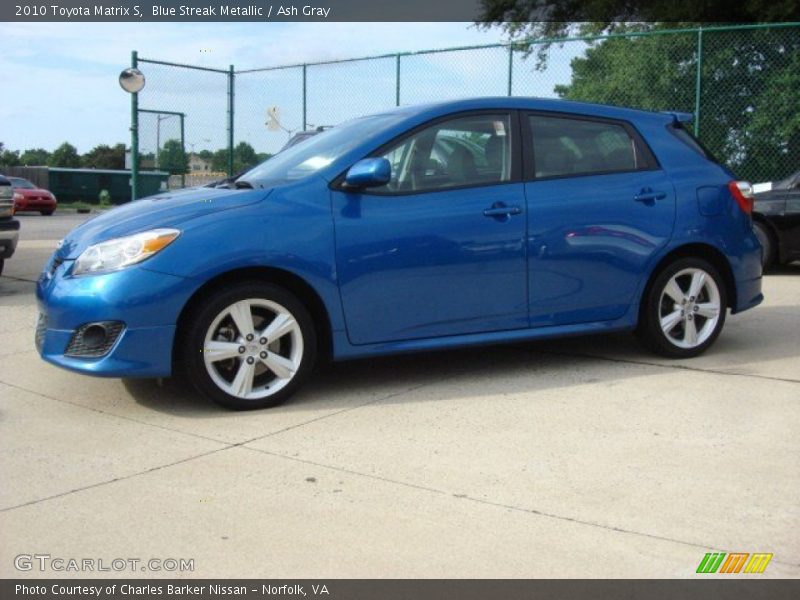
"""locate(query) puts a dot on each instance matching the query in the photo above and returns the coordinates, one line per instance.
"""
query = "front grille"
(92, 345)
(41, 328)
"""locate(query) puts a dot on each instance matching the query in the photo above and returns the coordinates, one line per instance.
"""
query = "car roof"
(435, 109)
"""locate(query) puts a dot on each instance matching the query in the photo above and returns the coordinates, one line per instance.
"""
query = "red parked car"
(28, 197)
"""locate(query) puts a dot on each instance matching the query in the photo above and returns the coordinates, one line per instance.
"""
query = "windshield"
(21, 183)
(316, 152)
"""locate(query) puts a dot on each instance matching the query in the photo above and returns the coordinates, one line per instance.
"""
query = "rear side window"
(564, 146)
(687, 138)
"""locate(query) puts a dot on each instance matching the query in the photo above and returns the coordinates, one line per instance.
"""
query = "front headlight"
(119, 253)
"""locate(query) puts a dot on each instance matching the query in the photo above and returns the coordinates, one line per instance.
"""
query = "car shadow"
(484, 370)
(792, 268)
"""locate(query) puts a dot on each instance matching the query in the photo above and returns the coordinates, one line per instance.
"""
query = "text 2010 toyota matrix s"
(454, 224)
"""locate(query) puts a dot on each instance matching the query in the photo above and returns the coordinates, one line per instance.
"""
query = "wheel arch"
(292, 282)
(695, 250)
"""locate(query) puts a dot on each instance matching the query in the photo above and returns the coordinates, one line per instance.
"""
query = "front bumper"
(35, 204)
(9, 236)
(146, 302)
(748, 294)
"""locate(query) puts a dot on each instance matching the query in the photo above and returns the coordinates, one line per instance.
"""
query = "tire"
(669, 302)
(46, 213)
(767, 242)
(237, 372)
(2, 264)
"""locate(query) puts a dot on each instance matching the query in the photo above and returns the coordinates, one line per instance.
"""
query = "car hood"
(164, 210)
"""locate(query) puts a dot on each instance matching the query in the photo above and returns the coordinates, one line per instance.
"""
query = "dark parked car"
(9, 227)
(776, 220)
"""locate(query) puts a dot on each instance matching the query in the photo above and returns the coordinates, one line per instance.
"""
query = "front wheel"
(684, 310)
(47, 213)
(248, 346)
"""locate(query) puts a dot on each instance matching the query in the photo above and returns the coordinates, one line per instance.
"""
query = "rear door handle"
(500, 210)
(649, 196)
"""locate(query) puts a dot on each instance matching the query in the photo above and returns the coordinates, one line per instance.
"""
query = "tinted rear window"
(563, 147)
(687, 138)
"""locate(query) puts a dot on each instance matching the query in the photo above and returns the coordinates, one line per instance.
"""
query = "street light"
(132, 81)
(193, 144)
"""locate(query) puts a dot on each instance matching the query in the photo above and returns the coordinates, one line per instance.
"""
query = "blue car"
(429, 227)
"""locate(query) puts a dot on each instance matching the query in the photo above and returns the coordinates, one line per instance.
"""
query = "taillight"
(742, 192)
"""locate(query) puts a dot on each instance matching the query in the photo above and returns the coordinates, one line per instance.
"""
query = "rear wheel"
(248, 346)
(47, 213)
(767, 244)
(684, 310)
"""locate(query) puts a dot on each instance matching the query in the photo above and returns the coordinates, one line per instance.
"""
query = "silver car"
(9, 227)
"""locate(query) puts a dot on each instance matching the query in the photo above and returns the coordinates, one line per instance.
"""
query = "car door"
(599, 208)
(440, 249)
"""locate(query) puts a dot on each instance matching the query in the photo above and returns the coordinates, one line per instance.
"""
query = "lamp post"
(132, 81)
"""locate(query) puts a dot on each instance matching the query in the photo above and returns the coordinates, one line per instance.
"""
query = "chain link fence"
(740, 82)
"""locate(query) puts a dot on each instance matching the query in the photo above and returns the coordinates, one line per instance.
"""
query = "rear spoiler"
(679, 117)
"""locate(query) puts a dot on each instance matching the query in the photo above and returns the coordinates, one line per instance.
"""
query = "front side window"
(564, 146)
(317, 152)
(466, 151)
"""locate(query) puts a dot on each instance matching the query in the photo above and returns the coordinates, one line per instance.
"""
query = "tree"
(172, 158)
(34, 157)
(9, 158)
(65, 156)
(748, 111)
(542, 19)
(244, 156)
(105, 157)
(219, 161)
(748, 108)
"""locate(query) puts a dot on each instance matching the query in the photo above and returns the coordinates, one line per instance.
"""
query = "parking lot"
(577, 458)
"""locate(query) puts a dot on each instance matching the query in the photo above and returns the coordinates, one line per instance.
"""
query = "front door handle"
(649, 196)
(501, 211)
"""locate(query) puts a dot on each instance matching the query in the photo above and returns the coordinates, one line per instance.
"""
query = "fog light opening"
(95, 336)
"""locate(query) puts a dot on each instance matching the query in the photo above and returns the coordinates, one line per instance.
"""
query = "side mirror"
(369, 172)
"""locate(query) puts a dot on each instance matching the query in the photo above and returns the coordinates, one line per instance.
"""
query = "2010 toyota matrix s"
(468, 222)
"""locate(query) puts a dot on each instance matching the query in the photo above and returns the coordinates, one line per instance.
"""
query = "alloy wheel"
(253, 348)
(689, 308)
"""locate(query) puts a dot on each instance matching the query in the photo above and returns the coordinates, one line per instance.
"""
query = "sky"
(62, 77)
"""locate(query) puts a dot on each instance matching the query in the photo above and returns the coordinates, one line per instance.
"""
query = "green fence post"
(134, 134)
(305, 105)
(231, 76)
(698, 83)
(510, 68)
(397, 82)
(183, 153)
